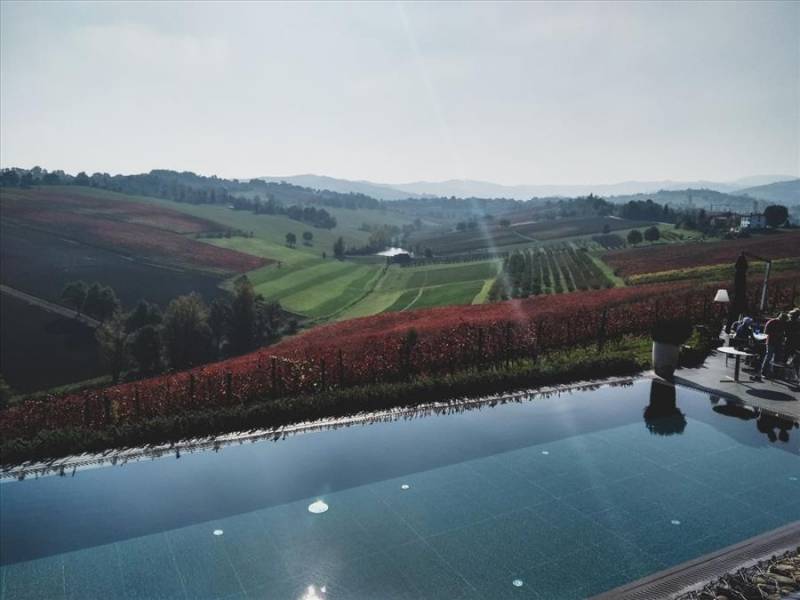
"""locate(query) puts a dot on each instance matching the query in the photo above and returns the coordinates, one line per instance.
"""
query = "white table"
(736, 353)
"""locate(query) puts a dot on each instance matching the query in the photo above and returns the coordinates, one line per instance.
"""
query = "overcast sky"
(506, 92)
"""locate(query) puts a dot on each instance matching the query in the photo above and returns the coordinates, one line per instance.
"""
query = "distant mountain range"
(757, 187)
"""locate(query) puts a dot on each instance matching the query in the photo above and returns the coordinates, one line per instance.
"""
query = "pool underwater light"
(517, 583)
(218, 532)
(317, 507)
(675, 522)
(405, 486)
(545, 452)
(311, 593)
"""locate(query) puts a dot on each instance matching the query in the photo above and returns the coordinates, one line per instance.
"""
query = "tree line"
(282, 199)
(186, 334)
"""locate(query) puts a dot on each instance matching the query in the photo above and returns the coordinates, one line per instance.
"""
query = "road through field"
(48, 306)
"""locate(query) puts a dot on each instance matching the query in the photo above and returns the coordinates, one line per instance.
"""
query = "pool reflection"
(774, 427)
(662, 416)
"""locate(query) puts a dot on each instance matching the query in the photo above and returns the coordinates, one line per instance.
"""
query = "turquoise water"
(558, 497)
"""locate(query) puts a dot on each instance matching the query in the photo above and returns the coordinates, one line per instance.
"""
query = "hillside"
(704, 198)
(468, 188)
(344, 186)
(782, 192)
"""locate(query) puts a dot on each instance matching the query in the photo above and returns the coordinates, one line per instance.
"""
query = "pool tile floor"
(565, 519)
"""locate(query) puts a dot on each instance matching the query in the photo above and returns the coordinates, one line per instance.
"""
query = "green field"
(422, 287)
(325, 289)
(269, 231)
(303, 282)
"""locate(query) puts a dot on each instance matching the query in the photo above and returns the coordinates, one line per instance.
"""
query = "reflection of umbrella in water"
(735, 410)
(662, 416)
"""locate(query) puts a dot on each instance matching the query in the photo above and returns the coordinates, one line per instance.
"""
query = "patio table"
(738, 354)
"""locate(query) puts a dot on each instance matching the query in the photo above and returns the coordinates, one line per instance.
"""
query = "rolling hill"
(783, 192)
(378, 191)
(468, 188)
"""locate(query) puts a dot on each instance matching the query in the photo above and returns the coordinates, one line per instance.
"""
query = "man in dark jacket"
(775, 330)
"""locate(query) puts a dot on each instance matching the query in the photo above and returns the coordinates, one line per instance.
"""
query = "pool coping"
(694, 574)
(125, 455)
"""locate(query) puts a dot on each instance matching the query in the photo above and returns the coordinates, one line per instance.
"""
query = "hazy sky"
(507, 92)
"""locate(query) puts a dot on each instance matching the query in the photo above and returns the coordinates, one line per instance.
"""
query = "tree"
(101, 302)
(81, 179)
(652, 234)
(776, 215)
(5, 393)
(51, 179)
(428, 253)
(606, 229)
(338, 248)
(27, 180)
(112, 341)
(307, 237)
(291, 240)
(9, 178)
(242, 330)
(185, 331)
(145, 347)
(143, 315)
(634, 237)
(74, 294)
(267, 320)
(219, 315)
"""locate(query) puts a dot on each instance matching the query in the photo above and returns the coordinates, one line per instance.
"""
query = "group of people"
(782, 342)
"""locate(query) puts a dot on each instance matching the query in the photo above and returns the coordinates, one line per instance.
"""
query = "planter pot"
(665, 359)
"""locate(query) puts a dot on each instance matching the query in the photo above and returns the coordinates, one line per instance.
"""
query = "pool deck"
(692, 575)
(775, 396)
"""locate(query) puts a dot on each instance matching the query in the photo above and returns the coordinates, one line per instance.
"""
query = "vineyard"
(154, 233)
(652, 259)
(561, 228)
(390, 347)
(493, 238)
(609, 241)
(553, 269)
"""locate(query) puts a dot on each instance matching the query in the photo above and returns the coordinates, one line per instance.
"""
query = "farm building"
(753, 221)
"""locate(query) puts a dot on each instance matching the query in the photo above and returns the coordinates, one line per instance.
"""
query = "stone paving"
(715, 377)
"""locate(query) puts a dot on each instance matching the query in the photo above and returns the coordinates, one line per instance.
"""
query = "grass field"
(304, 282)
(271, 230)
(423, 287)
(324, 289)
(316, 288)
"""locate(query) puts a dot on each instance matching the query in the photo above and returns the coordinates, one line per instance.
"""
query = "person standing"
(775, 330)
(793, 341)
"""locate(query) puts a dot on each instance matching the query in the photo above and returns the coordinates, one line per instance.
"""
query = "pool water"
(552, 497)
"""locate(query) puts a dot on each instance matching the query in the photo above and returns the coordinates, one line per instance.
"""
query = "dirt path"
(50, 307)
(414, 301)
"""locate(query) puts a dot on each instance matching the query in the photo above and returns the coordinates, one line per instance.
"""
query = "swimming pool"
(551, 497)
